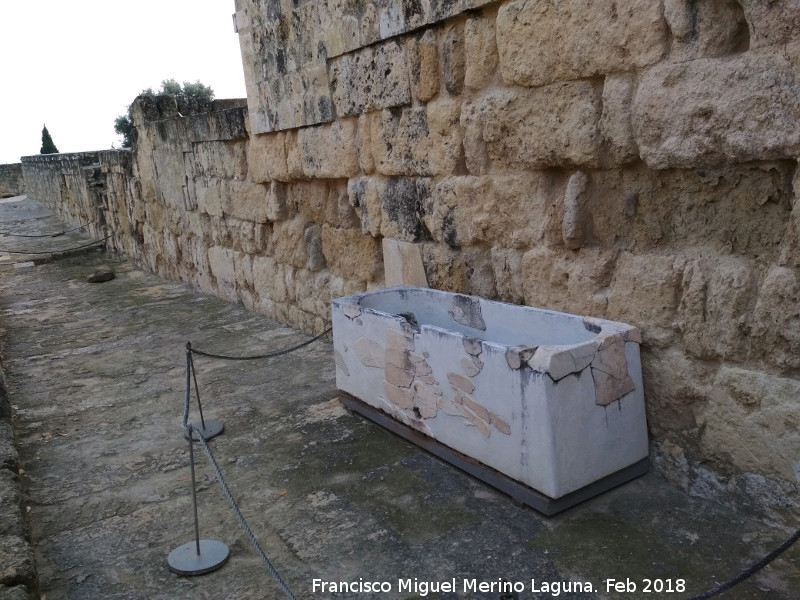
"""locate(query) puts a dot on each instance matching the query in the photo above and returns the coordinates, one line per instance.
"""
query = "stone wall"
(11, 181)
(71, 185)
(634, 161)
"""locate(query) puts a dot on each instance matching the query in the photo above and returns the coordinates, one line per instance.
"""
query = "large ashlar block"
(552, 401)
(480, 49)
(418, 141)
(351, 254)
(751, 407)
(551, 126)
(266, 158)
(247, 201)
(543, 42)
(329, 151)
(714, 111)
(371, 78)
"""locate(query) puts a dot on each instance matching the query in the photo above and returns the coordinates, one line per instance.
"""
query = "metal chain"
(192, 431)
(261, 356)
(239, 517)
(44, 235)
(723, 587)
(59, 251)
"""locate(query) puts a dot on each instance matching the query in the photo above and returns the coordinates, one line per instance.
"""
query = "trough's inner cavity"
(496, 322)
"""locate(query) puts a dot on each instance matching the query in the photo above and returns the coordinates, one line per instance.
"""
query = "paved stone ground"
(96, 373)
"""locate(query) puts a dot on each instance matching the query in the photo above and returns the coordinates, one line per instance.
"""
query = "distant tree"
(48, 147)
(123, 124)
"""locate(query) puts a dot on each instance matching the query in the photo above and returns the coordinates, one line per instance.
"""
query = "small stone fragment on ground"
(100, 276)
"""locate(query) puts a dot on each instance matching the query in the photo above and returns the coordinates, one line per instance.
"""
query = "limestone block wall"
(71, 185)
(635, 161)
(11, 180)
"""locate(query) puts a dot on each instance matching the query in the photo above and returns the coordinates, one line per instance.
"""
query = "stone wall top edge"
(65, 156)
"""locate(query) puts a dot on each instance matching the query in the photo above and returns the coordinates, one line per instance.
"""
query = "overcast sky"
(76, 65)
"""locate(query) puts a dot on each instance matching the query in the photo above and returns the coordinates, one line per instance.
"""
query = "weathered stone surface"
(518, 355)
(370, 353)
(402, 208)
(16, 561)
(399, 377)
(372, 78)
(290, 242)
(269, 278)
(401, 396)
(480, 52)
(512, 210)
(770, 23)
(749, 406)
(330, 151)
(555, 125)
(714, 310)
(275, 202)
(8, 453)
(313, 240)
(266, 158)
(366, 161)
(476, 155)
(735, 209)
(706, 29)
(424, 65)
(576, 215)
(364, 194)
(573, 40)
(221, 264)
(395, 339)
(645, 290)
(718, 110)
(471, 366)
(12, 522)
(610, 372)
(460, 382)
(776, 318)
(616, 129)
(402, 263)
(453, 65)
(417, 141)
(101, 276)
(351, 254)
(247, 201)
(222, 159)
(19, 592)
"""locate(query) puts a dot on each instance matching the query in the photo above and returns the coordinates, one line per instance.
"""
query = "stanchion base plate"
(184, 559)
(212, 429)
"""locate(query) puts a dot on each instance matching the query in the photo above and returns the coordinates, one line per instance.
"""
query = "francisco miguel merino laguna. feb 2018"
(423, 588)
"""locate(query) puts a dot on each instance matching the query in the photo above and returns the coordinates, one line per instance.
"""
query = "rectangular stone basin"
(544, 405)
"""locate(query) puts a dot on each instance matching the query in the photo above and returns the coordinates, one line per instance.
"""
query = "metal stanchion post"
(207, 429)
(199, 556)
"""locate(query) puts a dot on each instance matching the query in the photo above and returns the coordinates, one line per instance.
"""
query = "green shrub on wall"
(123, 124)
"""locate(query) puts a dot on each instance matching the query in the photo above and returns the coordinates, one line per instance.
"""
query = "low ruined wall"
(72, 185)
(11, 180)
(633, 161)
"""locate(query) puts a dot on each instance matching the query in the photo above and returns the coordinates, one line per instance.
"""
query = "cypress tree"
(48, 147)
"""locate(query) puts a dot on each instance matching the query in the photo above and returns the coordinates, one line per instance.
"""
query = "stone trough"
(546, 406)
